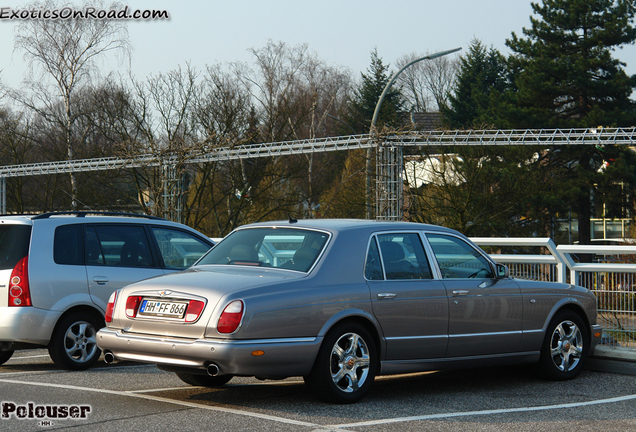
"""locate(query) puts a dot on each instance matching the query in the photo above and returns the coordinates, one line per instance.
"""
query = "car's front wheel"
(73, 345)
(5, 356)
(204, 380)
(346, 364)
(565, 346)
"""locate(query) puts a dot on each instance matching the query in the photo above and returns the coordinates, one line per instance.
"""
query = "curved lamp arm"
(392, 80)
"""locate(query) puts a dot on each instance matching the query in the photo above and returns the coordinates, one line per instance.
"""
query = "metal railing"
(612, 278)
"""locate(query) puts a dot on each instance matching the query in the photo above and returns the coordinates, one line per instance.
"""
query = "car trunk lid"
(163, 302)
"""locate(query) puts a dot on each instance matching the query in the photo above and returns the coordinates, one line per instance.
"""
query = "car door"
(411, 306)
(485, 312)
(115, 256)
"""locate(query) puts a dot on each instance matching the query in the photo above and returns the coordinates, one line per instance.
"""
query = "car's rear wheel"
(346, 364)
(73, 345)
(565, 346)
(204, 380)
(5, 356)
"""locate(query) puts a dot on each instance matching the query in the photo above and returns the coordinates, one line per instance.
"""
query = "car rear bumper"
(26, 325)
(262, 357)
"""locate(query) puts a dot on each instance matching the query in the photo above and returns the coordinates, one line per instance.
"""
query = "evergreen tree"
(492, 197)
(481, 79)
(565, 76)
(564, 71)
(367, 94)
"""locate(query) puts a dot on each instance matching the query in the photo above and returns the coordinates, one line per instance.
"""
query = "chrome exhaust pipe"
(109, 357)
(213, 370)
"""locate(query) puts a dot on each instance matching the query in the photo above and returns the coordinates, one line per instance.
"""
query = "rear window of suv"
(68, 246)
(14, 244)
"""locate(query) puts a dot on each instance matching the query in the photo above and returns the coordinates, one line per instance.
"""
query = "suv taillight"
(231, 317)
(19, 294)
(110, 307)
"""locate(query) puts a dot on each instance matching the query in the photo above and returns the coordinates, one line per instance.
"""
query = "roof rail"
(97, 213)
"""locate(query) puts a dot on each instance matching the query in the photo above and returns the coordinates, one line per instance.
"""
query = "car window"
(291, 249)
(68, 246)
(179, 249)
(14, 244)
(457, 259)
(373, 265)
(117, 245)
(93, 249)
(403, 256)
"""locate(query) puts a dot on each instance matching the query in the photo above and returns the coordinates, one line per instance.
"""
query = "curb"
(612, 360)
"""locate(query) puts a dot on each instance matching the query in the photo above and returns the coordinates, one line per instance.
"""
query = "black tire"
(346, 364)
(73, 345)
(204, 380)
(565, 347)
(5, 356)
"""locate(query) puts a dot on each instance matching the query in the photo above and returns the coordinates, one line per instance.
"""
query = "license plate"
(162, 309)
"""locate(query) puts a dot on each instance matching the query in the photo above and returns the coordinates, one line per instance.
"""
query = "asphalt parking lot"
(129, 396)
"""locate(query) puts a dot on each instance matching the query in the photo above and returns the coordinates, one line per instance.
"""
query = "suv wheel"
(5, 356)
(73, 345)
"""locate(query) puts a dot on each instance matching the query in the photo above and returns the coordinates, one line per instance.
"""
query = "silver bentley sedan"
(341, 301)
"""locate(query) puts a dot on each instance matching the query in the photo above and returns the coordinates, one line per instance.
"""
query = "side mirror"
(502, 271)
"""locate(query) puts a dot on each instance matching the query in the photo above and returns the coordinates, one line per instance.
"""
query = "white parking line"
(339, 427)
(485, 412)
(27, 357)
(60, 371)
(35, 372)
(171, 401)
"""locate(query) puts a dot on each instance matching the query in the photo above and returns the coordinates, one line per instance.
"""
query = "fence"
(612, 278)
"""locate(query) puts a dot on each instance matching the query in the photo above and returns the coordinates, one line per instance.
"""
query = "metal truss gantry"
(389, 160)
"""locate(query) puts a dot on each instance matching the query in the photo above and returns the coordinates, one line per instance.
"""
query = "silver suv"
(57, 271)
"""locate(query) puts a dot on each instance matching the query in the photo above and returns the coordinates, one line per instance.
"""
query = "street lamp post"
(394, 77)
(376, 113)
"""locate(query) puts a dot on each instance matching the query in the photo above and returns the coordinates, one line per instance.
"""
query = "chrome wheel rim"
(350, 362)
(566, 346)
(80, 342)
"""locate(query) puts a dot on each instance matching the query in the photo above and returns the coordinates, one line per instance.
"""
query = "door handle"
(384, 296)
(460, 293)
(101, 280)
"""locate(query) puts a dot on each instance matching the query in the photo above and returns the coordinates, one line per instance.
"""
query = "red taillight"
(110, 307)
(19, 294)
(231, 317)
(195, 307)
(132, 306)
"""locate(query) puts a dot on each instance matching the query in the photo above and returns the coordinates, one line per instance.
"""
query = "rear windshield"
(291, 249)
(14, 244)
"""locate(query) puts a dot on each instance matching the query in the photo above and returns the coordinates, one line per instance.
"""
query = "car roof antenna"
(292, 220)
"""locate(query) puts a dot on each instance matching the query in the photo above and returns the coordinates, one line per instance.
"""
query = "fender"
(562, 303)
(356, 314)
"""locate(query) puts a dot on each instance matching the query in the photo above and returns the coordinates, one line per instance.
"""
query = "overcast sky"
(340, 32)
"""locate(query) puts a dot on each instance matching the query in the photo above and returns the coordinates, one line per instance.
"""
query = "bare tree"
(161, 112)
(276, 85)
(220, 195)
(66, 52)
(16, 147)
(426, 84)
(296, 96)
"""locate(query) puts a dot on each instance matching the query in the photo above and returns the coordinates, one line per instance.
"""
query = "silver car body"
(417, 325)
